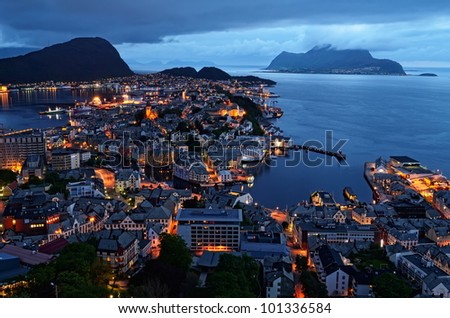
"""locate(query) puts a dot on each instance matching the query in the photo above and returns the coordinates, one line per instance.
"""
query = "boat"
(81, 108)
(250, 159)
(57, 110)
(272, 112)
(350, 195)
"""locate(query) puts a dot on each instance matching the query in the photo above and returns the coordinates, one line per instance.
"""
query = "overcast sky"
(235, 32)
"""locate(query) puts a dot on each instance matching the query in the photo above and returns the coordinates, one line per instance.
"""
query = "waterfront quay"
(401, 176)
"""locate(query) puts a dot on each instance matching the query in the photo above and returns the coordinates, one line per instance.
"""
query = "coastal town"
(155, 160)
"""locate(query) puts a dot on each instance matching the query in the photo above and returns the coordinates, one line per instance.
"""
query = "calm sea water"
(20, 110)
(379, 115)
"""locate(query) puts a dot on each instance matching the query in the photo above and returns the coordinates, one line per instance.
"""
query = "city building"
(127, 179)
(434, 286)
(10, 267)
(33, 166)
(364, 215)
(332, 271)
(210, 229)
(65, 159)
(261, 244)
(335, 233)
(85, 188)
(441, 202)
(416, 268)
(120, 249)
(16, 146)
(279, 284)
(30, 213)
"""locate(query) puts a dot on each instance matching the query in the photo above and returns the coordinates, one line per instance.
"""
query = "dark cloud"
(145, 21)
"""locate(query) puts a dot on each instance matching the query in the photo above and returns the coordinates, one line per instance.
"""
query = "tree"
(388, 285)
(235, 277)
(175, 252)
(194, 203)
(311, 286)
(58, 185)
(77, 272)
(153, 287)
(35, 180)
(301, 263)
(6, 177)
(183, 127)
(226, 284)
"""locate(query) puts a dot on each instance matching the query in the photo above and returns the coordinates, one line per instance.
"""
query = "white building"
(64, 159)
(210, 229)
(127, 180)
(83, 189)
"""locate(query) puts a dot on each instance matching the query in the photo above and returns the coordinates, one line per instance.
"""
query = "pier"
(339, 155)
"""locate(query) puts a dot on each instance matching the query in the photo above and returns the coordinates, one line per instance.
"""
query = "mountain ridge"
(328, 60)
(80, 59)
(213, 73)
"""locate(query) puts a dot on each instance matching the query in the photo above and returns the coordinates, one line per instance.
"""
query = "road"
(107, 176)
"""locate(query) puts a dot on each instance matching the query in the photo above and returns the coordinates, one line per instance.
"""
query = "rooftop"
(224, 215)
(28, 257)
(405, 160)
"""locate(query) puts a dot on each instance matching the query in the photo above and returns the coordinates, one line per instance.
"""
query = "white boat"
(250, 158)
(57, 110)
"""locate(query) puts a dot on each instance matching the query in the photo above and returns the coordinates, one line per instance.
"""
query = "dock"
(339, 155)
(368, 175)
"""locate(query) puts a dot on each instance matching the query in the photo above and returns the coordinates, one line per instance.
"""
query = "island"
(428, 74)
(329, 60)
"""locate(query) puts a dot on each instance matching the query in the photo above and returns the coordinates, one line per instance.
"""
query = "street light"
(56, 289)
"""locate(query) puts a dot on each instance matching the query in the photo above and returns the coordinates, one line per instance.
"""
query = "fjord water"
(379, 115)
(20, 110)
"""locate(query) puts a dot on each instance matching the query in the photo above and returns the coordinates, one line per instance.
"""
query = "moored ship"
(57, 110)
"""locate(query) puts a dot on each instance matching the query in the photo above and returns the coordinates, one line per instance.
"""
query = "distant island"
(214, 73)
(428, 74)
(328, 60)
(80, 59)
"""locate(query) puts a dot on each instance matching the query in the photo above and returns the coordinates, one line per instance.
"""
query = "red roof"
(54, 246)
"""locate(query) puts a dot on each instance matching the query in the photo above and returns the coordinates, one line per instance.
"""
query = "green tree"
(175, 252)
(388, 285)
(77, 272)
(6, 177)
(226, 284)
(235, 277)
(311, 286)
(301, 263)
(35, 180)
(153, 287)
(194, 203)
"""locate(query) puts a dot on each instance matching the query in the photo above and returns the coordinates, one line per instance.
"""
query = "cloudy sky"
(233, 32)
